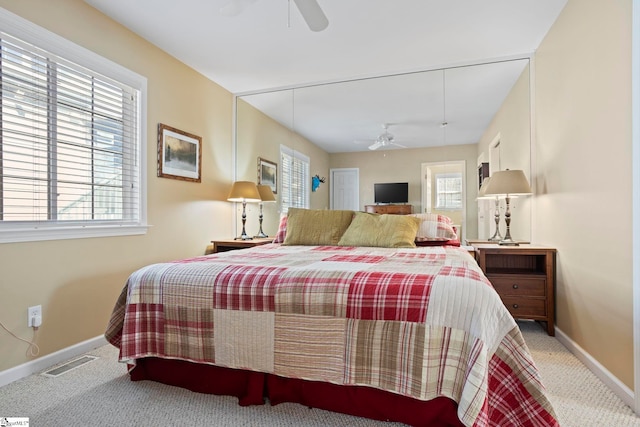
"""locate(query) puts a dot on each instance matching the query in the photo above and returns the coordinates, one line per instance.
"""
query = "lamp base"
(243, 237)
(260, 235)
(508, 243)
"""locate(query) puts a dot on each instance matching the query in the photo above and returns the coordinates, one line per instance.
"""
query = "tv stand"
(393, 209)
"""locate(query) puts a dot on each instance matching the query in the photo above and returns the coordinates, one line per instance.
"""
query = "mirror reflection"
(386, 129)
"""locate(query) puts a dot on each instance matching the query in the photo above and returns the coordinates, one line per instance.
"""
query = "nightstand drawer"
(514, 285)
(525, 307)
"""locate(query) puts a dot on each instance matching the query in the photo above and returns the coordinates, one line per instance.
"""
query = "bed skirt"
(251, 388)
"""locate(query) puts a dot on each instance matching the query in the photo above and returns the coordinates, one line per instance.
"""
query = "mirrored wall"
(466, 113)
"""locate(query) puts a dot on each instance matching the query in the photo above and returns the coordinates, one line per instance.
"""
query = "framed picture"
(268, 174)
(179, 154)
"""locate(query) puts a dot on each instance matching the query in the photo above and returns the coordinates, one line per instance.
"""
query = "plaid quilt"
(421, 322)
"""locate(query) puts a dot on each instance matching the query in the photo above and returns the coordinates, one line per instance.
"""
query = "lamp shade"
(266, 195)
(509, 182)
(244, 191)
(483, 189)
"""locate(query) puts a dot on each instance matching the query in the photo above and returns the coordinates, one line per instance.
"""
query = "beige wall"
(260, 136)
(512, 126)
(77, 281)
(583, 175)
(405, 166)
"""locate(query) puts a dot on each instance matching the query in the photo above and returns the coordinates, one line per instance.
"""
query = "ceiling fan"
(309, 9)
(385, 139)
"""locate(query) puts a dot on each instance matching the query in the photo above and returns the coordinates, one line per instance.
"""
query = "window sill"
(35, 233)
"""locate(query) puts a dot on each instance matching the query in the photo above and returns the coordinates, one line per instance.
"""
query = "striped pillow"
(435, 227)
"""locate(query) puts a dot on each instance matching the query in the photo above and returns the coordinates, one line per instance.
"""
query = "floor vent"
(62, 369)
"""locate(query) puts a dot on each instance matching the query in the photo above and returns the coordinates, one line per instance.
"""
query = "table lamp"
(244, 191)
(508, 183)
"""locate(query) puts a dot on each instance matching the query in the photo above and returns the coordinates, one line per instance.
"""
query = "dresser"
(389, 209)
(524, 276)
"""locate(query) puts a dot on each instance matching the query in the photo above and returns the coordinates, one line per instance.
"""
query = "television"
(391, 192)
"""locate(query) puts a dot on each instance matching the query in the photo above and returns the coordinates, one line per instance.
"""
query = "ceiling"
(268, 46)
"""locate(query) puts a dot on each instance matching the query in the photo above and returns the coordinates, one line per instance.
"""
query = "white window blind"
(295, 182)
(449, 191)
(70, 154)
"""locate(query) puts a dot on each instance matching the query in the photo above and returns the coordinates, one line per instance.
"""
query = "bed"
(406, 333)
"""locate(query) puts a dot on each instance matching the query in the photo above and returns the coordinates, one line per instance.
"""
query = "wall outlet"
(34, 316)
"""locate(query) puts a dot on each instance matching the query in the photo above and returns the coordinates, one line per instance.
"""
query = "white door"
(344, 189)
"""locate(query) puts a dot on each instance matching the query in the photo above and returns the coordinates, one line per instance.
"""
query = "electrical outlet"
(34, 316)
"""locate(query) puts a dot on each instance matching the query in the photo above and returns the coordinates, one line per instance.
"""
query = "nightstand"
(232, 245)
(524, 276)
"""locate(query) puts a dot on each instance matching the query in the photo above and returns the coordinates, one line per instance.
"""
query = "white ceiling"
(268, 46)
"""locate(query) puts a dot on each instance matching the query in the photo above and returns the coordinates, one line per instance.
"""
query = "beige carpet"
(99, 393)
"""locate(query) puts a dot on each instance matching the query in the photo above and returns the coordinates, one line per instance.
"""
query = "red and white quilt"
(421, 322)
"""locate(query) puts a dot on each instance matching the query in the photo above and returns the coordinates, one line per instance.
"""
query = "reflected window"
(449, 191)
(295, 179)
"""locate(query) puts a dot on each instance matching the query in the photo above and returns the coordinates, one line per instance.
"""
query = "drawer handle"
(515, 305)
(515, 286)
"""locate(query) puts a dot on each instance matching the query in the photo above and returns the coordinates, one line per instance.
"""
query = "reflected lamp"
(266, 196)
(482, 195)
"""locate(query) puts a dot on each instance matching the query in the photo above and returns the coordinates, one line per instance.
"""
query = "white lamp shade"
(507, 182)
(483, 189)
(266, 195)
(244, 191)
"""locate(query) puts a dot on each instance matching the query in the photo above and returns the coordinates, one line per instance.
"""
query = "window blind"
(295, 179)
(69, 143)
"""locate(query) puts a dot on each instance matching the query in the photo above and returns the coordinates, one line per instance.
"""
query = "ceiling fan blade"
(398, 145)
(375, 145)
(312, 14)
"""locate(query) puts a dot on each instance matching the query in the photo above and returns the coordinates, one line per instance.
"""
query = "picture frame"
(268, 174)
(179, 154)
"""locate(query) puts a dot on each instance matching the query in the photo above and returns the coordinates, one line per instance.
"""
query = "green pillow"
(315, 227)
(388, 231)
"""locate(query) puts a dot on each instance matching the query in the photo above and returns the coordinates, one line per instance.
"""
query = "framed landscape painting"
(179, 154)
(268, 174)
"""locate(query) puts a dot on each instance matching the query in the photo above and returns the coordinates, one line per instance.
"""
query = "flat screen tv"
(391, 192)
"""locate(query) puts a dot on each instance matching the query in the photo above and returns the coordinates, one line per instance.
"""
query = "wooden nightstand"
(525, 277)
(232, 245)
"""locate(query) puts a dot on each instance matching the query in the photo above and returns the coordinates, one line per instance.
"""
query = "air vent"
(63, 369)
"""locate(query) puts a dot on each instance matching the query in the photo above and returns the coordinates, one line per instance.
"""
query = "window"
(449, 191)
(295, 179)
(71, 163)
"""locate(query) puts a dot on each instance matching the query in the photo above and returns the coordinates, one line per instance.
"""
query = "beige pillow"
(316, 227)
(389, 231)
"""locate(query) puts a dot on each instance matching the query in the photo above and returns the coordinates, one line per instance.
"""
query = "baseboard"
(610, 380)
(44, 362)
(38, 365)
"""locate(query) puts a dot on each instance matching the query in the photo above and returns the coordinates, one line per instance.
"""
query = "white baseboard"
(45, 362)
(610, 380)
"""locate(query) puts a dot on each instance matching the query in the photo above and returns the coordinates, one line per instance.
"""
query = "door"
(344, 189)
(444, 191)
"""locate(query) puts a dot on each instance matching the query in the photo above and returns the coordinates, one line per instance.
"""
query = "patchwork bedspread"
(421, 322)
